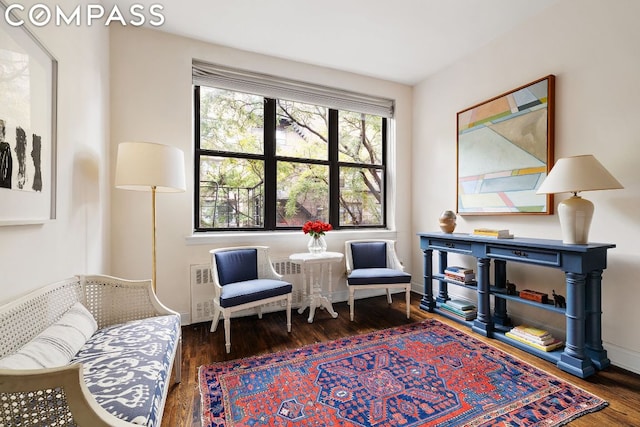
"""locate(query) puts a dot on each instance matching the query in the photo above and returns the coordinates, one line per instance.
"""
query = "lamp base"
(575, 215)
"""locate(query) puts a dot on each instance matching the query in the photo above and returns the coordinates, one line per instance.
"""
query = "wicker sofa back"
(22, 320)
(71, 394)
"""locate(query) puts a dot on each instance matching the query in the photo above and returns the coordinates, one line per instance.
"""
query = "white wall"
(152, 100)
(589, 45)
(35, 255)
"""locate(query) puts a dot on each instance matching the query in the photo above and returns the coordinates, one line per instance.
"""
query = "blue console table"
(583, 265)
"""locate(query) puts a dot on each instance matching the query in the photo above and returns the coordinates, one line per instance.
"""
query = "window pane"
(231, 193)
(301, 130)
(231, 121)
(303, 193)
(361, 198)
(360, 138)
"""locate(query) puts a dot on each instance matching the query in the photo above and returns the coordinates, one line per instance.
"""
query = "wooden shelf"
(517, 299)
(549, 356)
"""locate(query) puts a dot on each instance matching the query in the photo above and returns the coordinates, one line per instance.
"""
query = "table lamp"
(575, 174)
(147, 166)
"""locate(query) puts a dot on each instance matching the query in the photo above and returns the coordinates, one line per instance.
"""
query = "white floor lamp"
(147, 166)
(572, 175)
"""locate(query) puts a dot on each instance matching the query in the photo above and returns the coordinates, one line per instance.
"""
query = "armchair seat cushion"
(377, 276)
(239, 293)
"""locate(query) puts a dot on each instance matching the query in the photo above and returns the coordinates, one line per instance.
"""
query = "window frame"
(270, 169)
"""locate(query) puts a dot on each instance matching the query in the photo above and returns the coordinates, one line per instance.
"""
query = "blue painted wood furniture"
(583, 265)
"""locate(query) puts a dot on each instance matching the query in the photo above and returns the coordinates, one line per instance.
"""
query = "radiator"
(202, 288)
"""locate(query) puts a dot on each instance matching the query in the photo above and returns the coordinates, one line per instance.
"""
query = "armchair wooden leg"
(227, 333)
(389, 300)
(216, 319)
(351, 292)
(408, 301)
(289, 313)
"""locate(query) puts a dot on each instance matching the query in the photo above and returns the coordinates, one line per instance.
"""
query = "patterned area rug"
(423, 374)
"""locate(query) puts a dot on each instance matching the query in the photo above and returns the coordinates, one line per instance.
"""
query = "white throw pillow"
(56, 345)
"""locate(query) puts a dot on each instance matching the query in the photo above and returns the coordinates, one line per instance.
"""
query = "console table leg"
(573, 358)
(428, 303)
(483, 323)
(593, 346)
(500, 305)
(443, 289)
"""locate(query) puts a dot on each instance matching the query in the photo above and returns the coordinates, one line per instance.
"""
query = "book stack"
(461, 309)
(459, 274)
(534, 337)
(490, 232)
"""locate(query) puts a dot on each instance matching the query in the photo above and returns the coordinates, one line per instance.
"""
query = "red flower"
(316, 228)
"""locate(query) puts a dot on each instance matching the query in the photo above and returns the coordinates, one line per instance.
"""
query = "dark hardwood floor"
(251, 336)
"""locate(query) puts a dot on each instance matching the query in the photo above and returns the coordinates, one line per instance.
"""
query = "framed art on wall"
(28, 79)
(505, 150)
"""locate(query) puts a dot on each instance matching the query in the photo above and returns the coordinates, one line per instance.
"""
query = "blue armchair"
(373, 264)
(243, 278)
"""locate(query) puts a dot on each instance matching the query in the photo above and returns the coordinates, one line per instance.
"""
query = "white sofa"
(87, 351)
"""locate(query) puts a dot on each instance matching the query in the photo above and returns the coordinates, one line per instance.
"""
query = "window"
(268, 163)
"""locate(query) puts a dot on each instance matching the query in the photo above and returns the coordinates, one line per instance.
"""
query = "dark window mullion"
(384, 172)
(334, 171)
(270, 165)
(196, 168)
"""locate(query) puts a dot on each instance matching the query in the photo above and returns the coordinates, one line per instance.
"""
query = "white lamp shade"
(579, 173)
(575, 174)
(143, 165)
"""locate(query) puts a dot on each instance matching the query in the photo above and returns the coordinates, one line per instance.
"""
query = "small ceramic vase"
(448, 221)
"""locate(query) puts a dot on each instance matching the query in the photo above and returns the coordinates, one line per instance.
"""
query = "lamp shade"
(144, 165)
(578, 173)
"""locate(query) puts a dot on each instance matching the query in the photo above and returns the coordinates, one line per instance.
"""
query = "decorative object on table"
(316, 230)
(558, 300)
(572, 175)
(147, 166)
(459, 274)
(447, 221)
(336, 383)
(536, 296)
(505, 148)
(535, 337)
(490, 232)
(28, 126)
(511, 288)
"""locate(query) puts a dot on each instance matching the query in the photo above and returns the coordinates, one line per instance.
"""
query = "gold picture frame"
(505, 149)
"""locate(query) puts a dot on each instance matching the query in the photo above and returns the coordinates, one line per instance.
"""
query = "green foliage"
(232, 122)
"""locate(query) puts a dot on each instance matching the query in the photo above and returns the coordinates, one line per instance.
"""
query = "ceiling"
(400, 40)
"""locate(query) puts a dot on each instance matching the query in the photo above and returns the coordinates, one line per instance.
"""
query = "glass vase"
(317, 245)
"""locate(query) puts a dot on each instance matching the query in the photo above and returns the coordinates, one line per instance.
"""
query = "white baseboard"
(623, 358)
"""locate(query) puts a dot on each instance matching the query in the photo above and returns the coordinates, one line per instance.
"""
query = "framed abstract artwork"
(28, 79)
(505, 150)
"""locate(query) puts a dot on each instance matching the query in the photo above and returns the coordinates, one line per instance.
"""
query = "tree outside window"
(266, 164)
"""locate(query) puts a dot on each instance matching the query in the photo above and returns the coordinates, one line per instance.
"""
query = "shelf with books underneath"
(501, 293)
(470, 285)
(460, 275)
(460, 309)
(537, 338)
